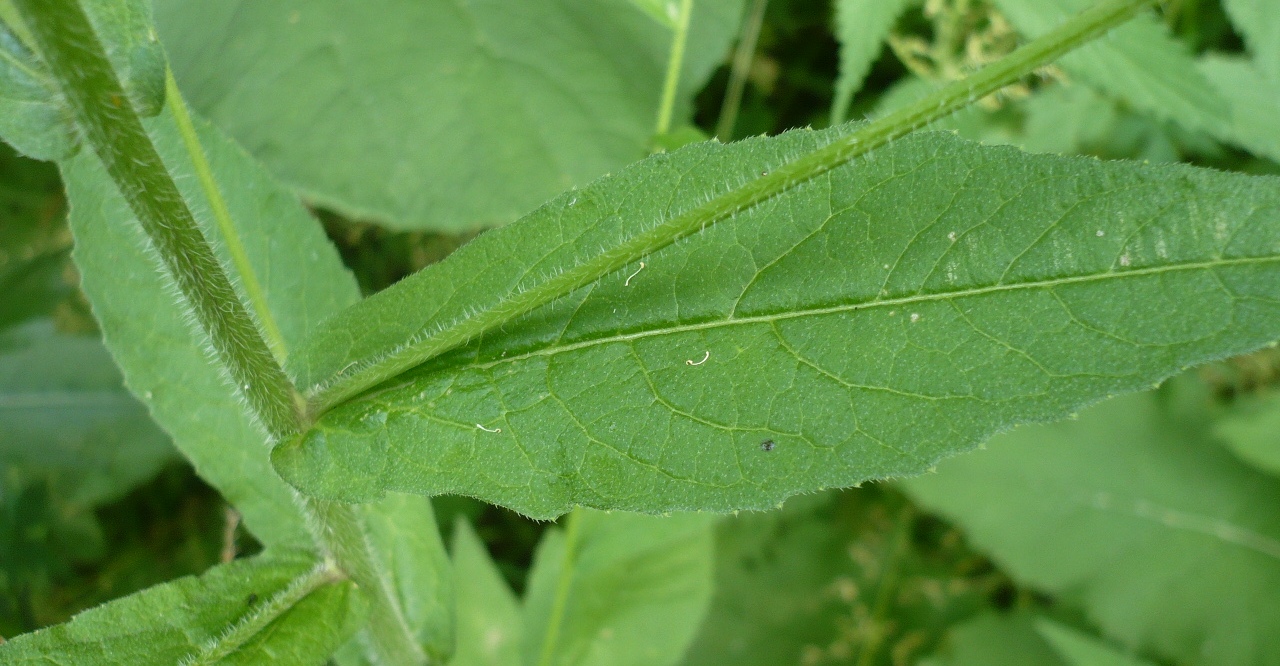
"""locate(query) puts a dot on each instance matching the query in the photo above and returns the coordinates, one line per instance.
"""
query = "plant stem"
(564, 584)
(367, 373)
(113, 129)
(742, 57)
(675, 65)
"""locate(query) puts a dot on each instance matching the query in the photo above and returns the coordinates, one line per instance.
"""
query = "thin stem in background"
(1079, 30)
(675, 65)
(741, 67)
(564, 585)
(113, 129)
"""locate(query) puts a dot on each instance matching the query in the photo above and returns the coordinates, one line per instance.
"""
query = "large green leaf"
(1251, 428)
(861, 27)
(490, 625)
(436, 114)
(863, 324)
(280, 609)
(1138, 62)
(1168, 541)
(163, 358)
(618, 589)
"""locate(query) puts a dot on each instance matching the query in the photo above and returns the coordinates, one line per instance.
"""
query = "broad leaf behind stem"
(863, 324)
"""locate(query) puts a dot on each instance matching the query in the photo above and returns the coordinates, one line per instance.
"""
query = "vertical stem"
(112, 127)
(742, 58)
(675, 64)
(563, 586)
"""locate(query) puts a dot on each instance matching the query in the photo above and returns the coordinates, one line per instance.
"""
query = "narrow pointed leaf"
(864, 324)
(346, 101)
(279, 608)
(1169, 543)
(490, 626)
(1139, 63)
(861, 27)
(618, 589)
(163, 359)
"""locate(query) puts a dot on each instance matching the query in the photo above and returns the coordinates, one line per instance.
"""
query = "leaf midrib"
(878, 303)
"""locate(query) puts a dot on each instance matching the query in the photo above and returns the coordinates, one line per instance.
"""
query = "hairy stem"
(675, 65)
(362, 375)
(113, 129)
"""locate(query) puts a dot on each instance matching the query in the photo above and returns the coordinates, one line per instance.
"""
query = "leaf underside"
(860, 325)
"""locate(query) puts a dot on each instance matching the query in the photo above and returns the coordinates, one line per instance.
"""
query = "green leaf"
(436, 115)
(282, 608)
(1253, 99)
(490, 626)
(163, 358)
(1133, 511)
(35, 244)
(618, 589)
(1023, 639)
(67, 417)
(1256, 20)
(1251, 428)
(125, 28)
(1138, 62)
(405, 541)
(842, 577)
(1079, 649)
(861, 27)
(33, 115)
(895, 310)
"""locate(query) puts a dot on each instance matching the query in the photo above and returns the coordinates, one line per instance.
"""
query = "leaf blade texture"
(1137, 515)
(866, 323)
(163, 359)
(335, 98)
(193, 617)
(861, 27)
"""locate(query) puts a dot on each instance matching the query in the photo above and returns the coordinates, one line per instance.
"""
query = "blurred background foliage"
(1023, 554)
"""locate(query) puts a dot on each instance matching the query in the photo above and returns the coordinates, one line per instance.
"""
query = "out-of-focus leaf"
(1251, 428)
(281, 608)
(847, 577)
(33, 114)
(861, 27)
(66, 417)
(490, 624)
(163, 359)
(1257, 21)
(437, 114)
(1073, 119)
(35, 243)
(618, 589)
(1023, 639)
(1169, 543)
(1254, 102)
(1138, 62)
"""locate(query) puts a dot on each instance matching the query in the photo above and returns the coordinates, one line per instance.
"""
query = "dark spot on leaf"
(253, 599)
(766, 445)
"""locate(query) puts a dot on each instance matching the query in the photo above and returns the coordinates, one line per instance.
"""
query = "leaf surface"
(1023, 639)
(1253, 98)
(163, 358)
(1251, 428)
(618, 589)
(863, 324)
(1256, 20)
(438, 114)
(269, 608)
(1168, 542)
(490, 625)
(1138, 62)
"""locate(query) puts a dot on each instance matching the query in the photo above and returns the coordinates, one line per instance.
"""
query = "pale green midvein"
(236, 637)
(564, 585)
(675, 64)
(222, 215)
(425, 345)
